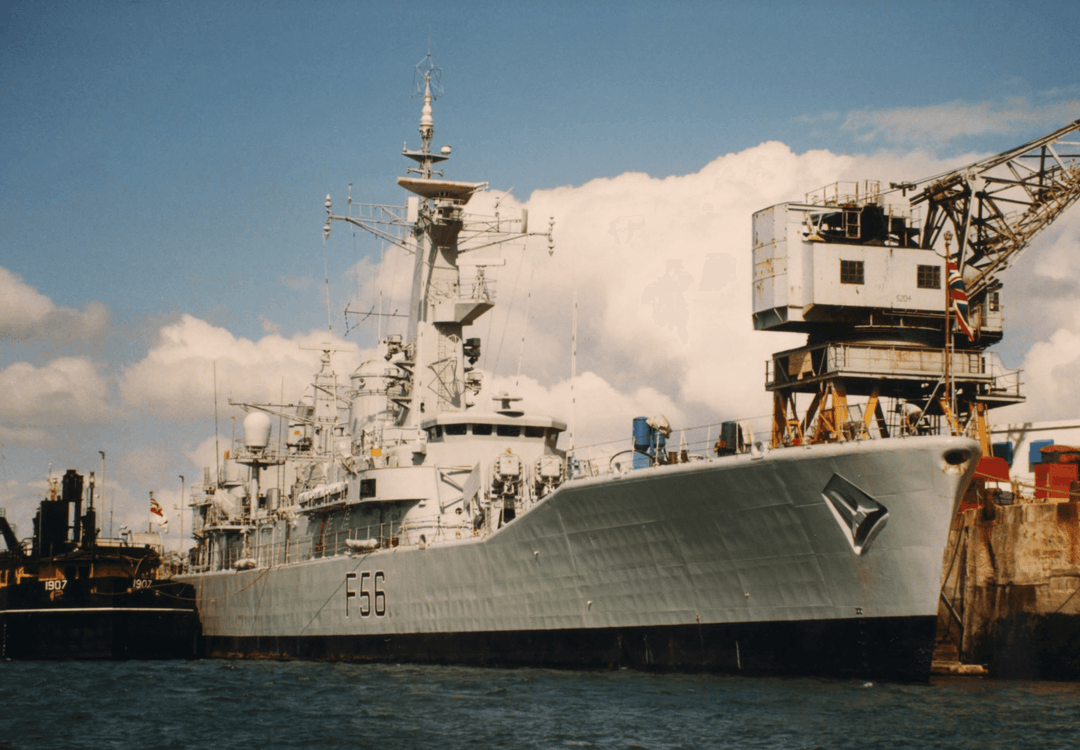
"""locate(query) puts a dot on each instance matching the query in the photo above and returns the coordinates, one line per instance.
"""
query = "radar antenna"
(426, 74)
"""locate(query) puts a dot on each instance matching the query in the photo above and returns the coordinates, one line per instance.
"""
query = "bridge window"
(534, 432)
(456, 429)
(929, 277)
(851, 272)
(509, 430)
(481, 429)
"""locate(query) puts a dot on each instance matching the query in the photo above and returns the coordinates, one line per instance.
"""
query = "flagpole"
(181, 547)
(948, 333)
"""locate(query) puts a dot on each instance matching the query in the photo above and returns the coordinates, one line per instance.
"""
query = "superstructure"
(396, 521)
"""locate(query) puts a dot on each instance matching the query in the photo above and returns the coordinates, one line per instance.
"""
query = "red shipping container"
(1052, 480)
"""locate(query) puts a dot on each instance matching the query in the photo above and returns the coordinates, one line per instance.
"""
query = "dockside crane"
(899, 295)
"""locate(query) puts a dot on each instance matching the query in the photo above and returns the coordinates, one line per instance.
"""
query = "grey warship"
(393, 521)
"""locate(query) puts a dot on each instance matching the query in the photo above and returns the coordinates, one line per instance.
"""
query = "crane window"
(851, 272)
(929, 277)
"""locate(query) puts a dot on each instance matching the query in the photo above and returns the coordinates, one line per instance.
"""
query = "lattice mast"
(450, 289)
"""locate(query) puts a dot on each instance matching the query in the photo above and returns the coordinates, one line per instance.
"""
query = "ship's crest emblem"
(859, 516)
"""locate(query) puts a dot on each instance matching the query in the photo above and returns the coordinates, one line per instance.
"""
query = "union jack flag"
(158, 513)
(959, 298)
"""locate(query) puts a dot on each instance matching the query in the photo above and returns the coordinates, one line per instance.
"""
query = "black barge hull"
(99, 633)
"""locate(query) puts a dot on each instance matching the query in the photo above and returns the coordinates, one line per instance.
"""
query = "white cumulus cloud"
(1042, 322)
(662, 270)
(176, 378)
(1051, 377)
(27, 314)
(63, 391)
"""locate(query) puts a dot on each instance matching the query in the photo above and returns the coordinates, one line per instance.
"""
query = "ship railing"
(1004, 381)
(846, 193)
(118, 543)
(898, 362)
(684, 445)
(480, 288)
(260, 554)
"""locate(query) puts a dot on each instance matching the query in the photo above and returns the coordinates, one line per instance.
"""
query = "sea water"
(265, 705)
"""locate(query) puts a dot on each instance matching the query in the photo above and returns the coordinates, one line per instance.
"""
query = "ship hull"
(727, 564)
(155, 623)
(888, 648)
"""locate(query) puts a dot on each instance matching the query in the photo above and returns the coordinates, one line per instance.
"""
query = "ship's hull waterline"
(733, 563)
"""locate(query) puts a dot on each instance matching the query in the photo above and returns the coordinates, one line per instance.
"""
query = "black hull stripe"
(84, 610)
(894, 649)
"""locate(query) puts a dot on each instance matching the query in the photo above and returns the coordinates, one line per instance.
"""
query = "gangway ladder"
(852, 223)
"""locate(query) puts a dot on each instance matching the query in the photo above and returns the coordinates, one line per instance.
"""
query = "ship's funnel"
(72, 495)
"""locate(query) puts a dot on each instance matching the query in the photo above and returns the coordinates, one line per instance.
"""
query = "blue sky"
(169, 156)
(168, 159)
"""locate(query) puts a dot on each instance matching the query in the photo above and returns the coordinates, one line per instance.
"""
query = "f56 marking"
(372, 599)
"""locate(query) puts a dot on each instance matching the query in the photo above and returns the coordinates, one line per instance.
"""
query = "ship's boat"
(392, 521)
(68, 593)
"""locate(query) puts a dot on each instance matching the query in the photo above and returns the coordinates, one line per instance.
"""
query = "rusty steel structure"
(877, 280)
(995, 207)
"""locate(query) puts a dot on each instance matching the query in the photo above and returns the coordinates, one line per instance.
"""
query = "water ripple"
(270, 705)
